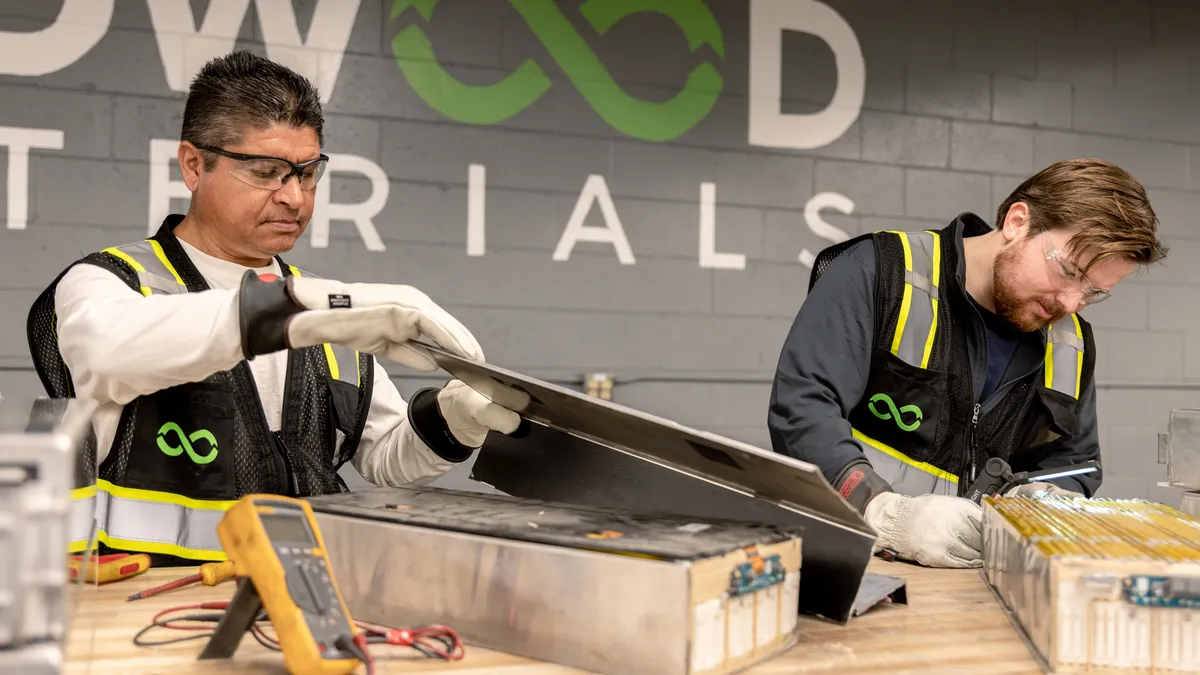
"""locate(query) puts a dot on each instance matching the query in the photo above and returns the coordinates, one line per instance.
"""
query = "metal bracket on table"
(877, 588)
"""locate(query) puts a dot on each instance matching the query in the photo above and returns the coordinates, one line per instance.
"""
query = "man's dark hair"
(242, 91)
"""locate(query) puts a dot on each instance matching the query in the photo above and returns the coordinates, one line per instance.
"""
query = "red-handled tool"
(108, 568)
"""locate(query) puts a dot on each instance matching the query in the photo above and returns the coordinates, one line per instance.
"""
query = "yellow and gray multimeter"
(279, 554)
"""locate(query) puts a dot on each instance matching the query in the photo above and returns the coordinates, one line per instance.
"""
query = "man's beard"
(1010, 304)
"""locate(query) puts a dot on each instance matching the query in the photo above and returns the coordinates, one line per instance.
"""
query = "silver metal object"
(1179, 449)
(39, 442)
(584, 450)
(585, 587)
(1190, 503)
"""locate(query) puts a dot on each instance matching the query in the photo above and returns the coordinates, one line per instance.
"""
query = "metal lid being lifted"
(733, 465)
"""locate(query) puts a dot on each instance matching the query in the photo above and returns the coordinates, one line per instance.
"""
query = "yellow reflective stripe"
(83, 492)
(907, 301)
(162, 257)
(1078, 356)
(937, 270)
(1049, 368)
(900, 456)
(357, 369)
(295, 271)
(137, 266)
(332, 360)
(164, 497)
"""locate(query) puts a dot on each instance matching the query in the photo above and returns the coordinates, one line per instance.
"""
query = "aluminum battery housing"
(585, 450)
(592, 588)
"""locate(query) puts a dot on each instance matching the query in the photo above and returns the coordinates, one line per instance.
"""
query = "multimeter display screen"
(287, 528)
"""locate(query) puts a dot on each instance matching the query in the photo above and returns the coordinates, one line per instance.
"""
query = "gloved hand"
(932, 530)
(470, 415)
(1040, 489)
(380, 319)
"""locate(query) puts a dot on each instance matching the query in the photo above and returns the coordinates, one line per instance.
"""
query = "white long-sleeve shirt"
(119, 344)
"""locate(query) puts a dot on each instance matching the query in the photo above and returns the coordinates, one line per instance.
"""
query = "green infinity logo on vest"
(185, 443)
(895, 414)
(492, 103)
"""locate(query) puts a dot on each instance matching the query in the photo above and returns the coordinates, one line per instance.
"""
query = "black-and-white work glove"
(380, 319)
(932, 530)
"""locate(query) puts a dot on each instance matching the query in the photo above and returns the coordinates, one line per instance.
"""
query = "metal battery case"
(588, 587)
(39, 443)
(584, 450)
(1098, 585)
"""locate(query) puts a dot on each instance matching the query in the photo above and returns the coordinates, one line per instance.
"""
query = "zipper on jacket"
(971, 445)
(291, 488)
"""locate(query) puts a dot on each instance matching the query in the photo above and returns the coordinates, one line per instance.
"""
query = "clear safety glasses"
(272, 173)
(1066, 277)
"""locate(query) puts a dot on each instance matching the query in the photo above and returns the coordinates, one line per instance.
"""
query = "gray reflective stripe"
(151, 526)
(344, 363)
(907, 478)
(157, 283)
(156, 273)
(917, 321)
(1064, 353)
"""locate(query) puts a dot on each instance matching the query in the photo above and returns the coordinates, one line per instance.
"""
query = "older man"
(220, 369)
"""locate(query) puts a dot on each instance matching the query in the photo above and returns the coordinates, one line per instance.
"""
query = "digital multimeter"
(275, 545)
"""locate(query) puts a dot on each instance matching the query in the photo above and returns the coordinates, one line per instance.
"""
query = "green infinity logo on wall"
(489, 104)
(185, 443)
(895, 414)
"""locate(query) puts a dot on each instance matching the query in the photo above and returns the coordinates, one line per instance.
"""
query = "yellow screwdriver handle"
(215, 572)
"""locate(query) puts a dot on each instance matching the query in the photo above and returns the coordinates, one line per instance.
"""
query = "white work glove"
(1040, 489)
(379, 319)
(932, 530)
(470, 415)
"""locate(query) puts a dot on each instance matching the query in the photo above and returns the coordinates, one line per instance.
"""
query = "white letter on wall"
(184, 50)
(361, 213)
(79, 26)
(594, 190)
(163, 152)
(768, 126)
(708, 234)
(19, 141)
(812, 216)
(476, 209)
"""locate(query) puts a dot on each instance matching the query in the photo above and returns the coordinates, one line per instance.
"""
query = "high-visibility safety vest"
(185, 454)
(917, 420)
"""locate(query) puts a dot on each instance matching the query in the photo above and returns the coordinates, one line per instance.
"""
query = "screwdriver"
(210, 574)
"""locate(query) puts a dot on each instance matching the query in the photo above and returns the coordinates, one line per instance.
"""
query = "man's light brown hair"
(1104, 204)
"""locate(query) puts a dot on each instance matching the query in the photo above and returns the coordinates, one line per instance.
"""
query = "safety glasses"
(271, 173)
(1066, 277)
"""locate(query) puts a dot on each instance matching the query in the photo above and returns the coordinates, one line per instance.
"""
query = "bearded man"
(917, 356)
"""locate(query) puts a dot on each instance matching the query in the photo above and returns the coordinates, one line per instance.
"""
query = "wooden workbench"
(952, 624)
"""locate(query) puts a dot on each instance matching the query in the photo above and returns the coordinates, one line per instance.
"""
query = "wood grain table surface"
(951, 624)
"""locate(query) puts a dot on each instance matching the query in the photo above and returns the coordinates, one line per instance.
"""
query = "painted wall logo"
(494, 103)
(187, 41)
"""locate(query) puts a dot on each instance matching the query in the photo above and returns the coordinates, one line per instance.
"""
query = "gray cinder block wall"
(937, 107)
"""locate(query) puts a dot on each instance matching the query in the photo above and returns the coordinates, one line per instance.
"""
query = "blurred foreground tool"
(210, 574)
(107, 568)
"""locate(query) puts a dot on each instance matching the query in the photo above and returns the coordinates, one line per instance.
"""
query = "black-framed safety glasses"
(271, 173)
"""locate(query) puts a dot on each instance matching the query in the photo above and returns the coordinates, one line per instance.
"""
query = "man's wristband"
(858, 483)
(429, 425)
(264, 307)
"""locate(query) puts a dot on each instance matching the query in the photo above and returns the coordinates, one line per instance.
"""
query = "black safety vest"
(182, 455)
(917, 420)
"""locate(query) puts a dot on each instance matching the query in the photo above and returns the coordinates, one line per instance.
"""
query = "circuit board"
(1149, 591)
